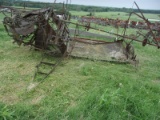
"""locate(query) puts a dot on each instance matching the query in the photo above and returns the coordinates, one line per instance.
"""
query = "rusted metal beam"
(122, 36)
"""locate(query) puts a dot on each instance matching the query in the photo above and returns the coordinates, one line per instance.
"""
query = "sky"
(143, 4)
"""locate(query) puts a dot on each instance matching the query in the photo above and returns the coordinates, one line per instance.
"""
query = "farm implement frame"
(48, 30)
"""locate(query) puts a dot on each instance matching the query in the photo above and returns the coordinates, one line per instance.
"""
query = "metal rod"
(109, 32)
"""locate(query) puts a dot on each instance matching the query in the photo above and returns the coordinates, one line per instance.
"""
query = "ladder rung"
(42, 73)
(47, 63)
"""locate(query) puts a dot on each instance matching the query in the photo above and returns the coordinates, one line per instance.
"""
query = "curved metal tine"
(63, 5)
(66, 4)
(143, 17)
(139, 9)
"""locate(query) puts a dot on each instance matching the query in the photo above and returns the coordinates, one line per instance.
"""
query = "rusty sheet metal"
(98, 50)
(25, 30)
(36, 12)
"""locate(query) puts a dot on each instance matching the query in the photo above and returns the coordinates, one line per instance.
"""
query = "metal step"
(42, 73)
(47, 63)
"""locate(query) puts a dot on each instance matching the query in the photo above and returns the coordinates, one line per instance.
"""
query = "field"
(78, 89)
(115, 15)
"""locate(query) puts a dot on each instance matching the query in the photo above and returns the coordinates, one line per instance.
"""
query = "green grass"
(79, 89)
(115, 15)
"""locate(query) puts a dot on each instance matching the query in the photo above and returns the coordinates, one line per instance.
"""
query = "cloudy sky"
(143, 4)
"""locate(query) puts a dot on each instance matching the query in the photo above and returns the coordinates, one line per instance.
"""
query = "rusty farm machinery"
(52, 32)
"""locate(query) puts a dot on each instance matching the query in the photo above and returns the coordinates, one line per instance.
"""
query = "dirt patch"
(73, 104)
(156, 81)
(10, 98)
(37, 100)
(9, 93)
(31, 86)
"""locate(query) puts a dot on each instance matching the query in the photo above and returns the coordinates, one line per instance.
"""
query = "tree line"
(72, 7)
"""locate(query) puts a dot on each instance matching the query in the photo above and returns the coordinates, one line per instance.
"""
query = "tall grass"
(119, 95)
(79, 89)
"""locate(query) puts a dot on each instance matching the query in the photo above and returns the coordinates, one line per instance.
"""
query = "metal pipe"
(108, 32)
